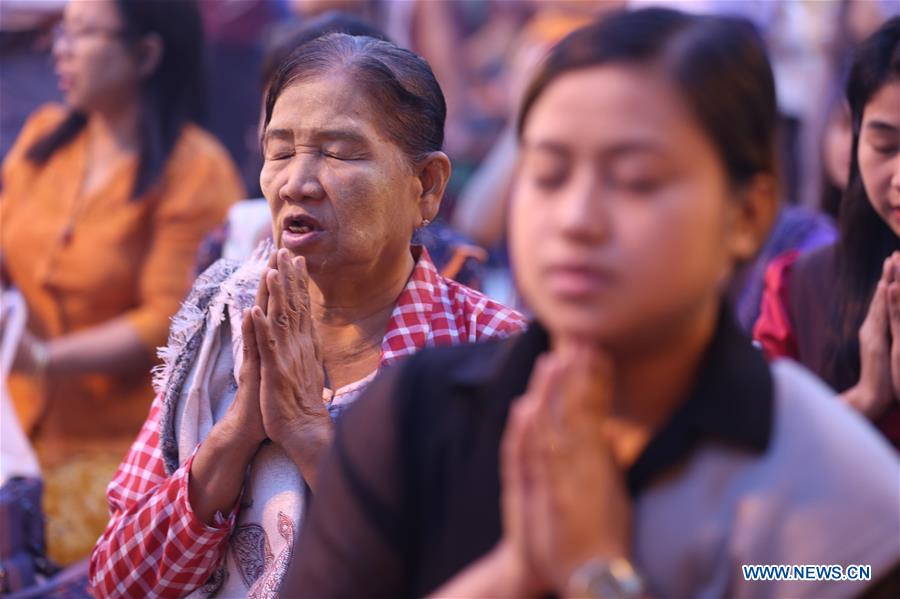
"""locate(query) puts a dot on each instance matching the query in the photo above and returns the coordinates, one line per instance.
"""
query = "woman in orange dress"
(104, 203)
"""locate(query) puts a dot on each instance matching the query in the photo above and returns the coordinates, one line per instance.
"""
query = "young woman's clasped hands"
(564, 502)
(281, 377)
(879, 342)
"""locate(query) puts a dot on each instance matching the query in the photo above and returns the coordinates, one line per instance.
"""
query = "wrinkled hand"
(873, 394)
(291, 374)
(571, 502)
(243, 418)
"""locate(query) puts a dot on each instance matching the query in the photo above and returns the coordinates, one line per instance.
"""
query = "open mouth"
(300, 233)
(301, 224)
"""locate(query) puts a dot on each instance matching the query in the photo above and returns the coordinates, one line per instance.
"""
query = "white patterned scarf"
(198, 381)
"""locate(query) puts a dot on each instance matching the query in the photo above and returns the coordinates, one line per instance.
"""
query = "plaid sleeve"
(154, 544)
(486, 318)
(496, 320)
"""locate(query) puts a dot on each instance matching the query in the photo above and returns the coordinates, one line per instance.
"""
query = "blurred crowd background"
(483, 52)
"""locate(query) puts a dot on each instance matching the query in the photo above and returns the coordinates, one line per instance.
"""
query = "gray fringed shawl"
(225, 283)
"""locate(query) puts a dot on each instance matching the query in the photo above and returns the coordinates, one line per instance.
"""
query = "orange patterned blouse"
(83, 259)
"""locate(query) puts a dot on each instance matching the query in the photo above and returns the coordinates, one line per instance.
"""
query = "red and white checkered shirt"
(154, 544)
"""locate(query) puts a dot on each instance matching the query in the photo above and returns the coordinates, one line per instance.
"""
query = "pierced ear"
(149, 53)
(753, 217)
(434, 174)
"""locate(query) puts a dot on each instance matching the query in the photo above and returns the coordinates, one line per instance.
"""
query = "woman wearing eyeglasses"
(104, 203)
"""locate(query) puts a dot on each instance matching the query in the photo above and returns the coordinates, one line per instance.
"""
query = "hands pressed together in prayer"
(564, 502)
(281, 378)
(879, 342)
(279, 393)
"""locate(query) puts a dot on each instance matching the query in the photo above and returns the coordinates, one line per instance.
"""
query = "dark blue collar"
(731, 400)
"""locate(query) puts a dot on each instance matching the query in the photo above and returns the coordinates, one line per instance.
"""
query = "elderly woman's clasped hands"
(281, 378)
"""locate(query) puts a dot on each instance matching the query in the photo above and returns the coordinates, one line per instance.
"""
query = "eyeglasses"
(67, 34)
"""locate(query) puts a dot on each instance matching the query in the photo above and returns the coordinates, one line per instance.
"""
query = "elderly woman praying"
(265, 353)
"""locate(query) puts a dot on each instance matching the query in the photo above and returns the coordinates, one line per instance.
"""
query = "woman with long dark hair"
(837, 310)
(632, 442)
(104, 203)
